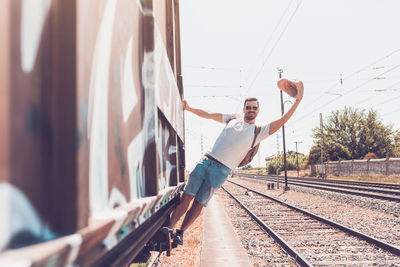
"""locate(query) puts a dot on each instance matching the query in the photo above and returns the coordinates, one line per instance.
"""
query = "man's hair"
(251, 99)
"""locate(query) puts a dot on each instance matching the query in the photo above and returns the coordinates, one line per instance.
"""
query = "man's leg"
(202, 197)
(191, 215)
(180, 209)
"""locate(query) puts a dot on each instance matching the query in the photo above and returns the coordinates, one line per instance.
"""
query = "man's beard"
(250, 116)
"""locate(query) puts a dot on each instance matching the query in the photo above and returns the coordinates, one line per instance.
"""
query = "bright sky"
(231, 50)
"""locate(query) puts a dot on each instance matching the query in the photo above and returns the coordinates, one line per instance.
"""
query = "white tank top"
(235, 140)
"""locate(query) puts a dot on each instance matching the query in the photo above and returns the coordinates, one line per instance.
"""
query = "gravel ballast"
(374, 217)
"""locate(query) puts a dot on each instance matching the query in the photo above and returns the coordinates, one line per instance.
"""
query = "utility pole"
(286, 187)
(297, 157)
(322, 144)
(277, 144)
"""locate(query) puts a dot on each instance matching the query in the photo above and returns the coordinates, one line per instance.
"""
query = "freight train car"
(91, 129)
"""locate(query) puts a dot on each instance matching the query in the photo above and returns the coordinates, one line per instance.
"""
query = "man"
(228, 151)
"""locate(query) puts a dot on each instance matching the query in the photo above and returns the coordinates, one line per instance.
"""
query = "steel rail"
(335, 181)
(352, 186)
(371, 184)
(368, 184)
(355, 187)
(384, 197)
(379, 243)
(285, 246)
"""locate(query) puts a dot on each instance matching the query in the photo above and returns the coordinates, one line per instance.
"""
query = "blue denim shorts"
(207, 176)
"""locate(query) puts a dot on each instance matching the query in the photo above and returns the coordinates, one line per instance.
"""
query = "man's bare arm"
(275, 125)
(202, 113)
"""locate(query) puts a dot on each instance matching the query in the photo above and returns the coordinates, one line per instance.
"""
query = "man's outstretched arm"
(202, 113)
(275, 125)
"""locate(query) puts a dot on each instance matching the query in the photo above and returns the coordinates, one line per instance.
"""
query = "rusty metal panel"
(149, 86)
(91, 123)
(111, 102)
(123, 76)
(177, 41)
(161, 10)
(171, 29)
(167, 154)
(167, 60)
(168, 97)
(181, 160)
(162, 84)
(38, 185)
(4, 90)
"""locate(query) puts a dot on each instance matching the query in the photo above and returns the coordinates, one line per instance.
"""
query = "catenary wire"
(343, 94)
(273, 47)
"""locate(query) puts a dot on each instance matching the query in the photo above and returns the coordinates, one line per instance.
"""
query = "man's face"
(250, 110)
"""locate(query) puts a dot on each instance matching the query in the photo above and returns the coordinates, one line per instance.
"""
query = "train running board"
(162, 241)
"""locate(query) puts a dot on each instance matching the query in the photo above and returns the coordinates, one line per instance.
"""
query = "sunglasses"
(251, 107)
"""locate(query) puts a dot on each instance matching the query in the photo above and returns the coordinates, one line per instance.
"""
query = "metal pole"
(286, 187)
(277, 144)
(297, 162)
(297, 158)
(322, 144)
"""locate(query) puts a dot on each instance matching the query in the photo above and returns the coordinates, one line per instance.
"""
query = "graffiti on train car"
(20, 220)
(168, 101)
(129, 123)
(98, 112)
(33, 17)
(21, 224)
(120, 128)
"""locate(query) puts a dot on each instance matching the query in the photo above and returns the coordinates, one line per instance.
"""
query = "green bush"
(277, 162)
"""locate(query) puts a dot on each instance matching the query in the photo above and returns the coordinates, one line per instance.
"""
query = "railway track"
(391, 193)
(311, 239)
(334, 181)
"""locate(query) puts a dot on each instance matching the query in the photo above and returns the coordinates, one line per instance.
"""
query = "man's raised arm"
(202, 113)
(275, 125)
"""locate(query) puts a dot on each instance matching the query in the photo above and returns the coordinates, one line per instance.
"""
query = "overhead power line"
(272, 34)
(369, 66)
(386, 101)
(380, 90)
(217, 96)
(344, 93)
(274, 46)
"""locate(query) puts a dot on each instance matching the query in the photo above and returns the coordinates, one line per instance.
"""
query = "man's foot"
(178, 237)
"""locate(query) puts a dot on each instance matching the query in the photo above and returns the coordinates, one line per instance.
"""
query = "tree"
(353, 133)
(315, 155)
(396, 149)
(277, 162)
